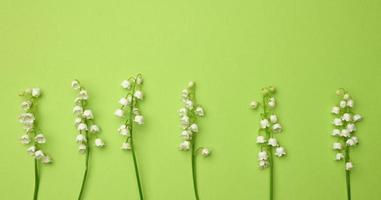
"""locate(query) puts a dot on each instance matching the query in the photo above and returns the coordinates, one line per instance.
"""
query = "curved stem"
(136, 169)
(132, 146)
(194, 171)
(348, 174)
(36, 180)
(193, 117)
(85, 173)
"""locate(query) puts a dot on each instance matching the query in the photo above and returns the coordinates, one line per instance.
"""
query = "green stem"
(85, 173)
(136, 169)
(348, 174)
(36, 180)
(270, 150)
(271, 174)
(347, 159)
(193, 148)
(194, 172)
(133, 148)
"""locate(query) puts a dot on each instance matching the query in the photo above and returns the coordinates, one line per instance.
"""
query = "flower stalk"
(87, 130)
(130, 113)
(32, 134)
(345, 127)
(189, 114)
(269, 127)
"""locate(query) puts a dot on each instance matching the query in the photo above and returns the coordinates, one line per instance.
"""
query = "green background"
(231, 49)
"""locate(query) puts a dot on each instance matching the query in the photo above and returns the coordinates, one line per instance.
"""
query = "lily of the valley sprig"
(189, 114)
(269, 128)
(130, 113)
(33, 137)
(344, 131)
(88, 131)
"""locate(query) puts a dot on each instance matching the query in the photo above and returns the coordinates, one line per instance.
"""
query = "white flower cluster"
(269, 127)
(32, 135)
(188, 117)
(344, 128)
(84, 120)
(129, 110)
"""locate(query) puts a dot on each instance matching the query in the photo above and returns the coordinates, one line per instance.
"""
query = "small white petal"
(82, 148)
(205, 152)
(125, 84)
(345, 133)
(191, 84)
(31, 150)
(277, 128)
(194, 128)
(336, 132)
(39, 154)
(337, 146)
(188, 104)
(350, 103)
(346, 117)
(126, 146)
(94, 128)
(80, 138)
(264, 123)
(77, 109)
(261, 139)
(263, 164)
(25, 139)
(357, 117)
(124, 101)
(185, 93)
(124, 130)
(82, 127)
(138, 94)
(184, 120)
(199, 111)
(339, 156)
(40, 139)
(36, 92)
(119, 113)
(183, 112)
(348, 166)
(99, 143)
(75, 85)
(139, 80)
(254, 105)
(88, 114)
(272, 102)
(351, 127)
(350, 142)
(77, 121)
(355, 139)
(272, 142)
(279, 151)
(139, 119)
(262, 155)
(26, 105)
(337, 122)
(273, 119)
(335, 110)
(186, 134)
(184, 146)
(83, 95)
(46, 160)
(346, 96)
(343, 104)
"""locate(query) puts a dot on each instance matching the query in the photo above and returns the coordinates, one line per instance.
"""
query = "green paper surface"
(231, 49)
